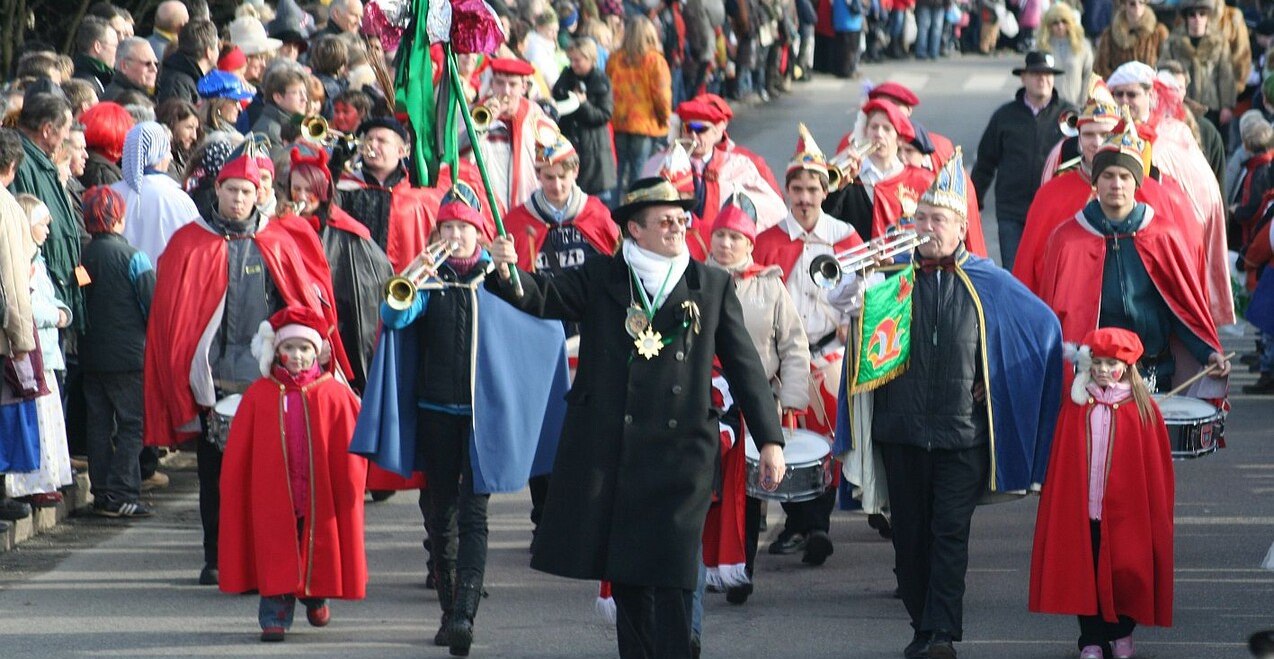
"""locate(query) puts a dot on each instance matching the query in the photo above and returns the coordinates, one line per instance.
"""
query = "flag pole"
(457, 90)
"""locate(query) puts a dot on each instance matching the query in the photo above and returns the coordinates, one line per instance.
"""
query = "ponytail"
(1140, 393)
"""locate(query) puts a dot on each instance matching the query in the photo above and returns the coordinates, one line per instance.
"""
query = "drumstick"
(1197, 376)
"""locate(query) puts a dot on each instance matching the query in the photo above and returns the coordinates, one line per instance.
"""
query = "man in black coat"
(588, 125)
(1015, 145)
(634, 471)
(195, 56)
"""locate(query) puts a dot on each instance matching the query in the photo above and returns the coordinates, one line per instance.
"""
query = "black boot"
(446, 581)
(468, 594)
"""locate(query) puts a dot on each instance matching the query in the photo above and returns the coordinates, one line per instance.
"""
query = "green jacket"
(37, 175)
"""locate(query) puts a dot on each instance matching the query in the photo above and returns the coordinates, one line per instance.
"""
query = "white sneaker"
(1123, 648)
(1090, 652)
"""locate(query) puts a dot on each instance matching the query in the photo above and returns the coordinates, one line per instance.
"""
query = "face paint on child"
(1107, 371)
(296, 355)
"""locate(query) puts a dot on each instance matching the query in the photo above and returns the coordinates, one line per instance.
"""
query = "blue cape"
(1022, 342)
(521, 379)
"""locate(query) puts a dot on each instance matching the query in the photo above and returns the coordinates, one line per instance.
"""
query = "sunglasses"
(697, 126)
(667, 221)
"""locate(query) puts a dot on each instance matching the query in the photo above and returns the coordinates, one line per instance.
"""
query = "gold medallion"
(649, 343)
(636, 322)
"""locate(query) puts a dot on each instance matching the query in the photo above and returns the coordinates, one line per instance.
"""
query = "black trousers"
(539, 487)
(652, 622)
(114, 402)
(1093, 630)
(812, 515)
(847, 44)
(457, 515)
(932, 494)
(751, 530)
(208, 464)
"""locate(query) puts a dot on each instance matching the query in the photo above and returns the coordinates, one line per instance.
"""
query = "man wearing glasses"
(635, 466)
(136, 69)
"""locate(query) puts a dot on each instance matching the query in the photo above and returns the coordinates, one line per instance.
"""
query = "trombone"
(838, 168)
(400, 290)
(828, 270)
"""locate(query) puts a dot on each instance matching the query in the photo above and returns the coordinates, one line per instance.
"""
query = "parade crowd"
(221, 239)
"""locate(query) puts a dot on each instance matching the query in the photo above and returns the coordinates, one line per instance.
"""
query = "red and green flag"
(882, 336)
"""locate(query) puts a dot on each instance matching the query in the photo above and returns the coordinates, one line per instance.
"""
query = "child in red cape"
(1103, 536)
(292, 505)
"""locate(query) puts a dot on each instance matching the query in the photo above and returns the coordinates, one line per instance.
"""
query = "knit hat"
(1132, 73)
(808, 156)
(737, 214)
(460, 204)
(897, 119)
(244, 167)
(232, 60)
(146, 144)
(1122, 148)
(949, 189)
(103, 207)
(293, 322)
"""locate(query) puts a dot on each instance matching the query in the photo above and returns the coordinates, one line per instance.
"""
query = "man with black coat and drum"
(634, 470)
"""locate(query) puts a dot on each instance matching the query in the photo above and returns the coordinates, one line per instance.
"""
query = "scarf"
(653, 269)
(1099, 429)
(549, 214)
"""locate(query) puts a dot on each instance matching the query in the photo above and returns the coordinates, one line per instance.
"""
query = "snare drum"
(808, 457)
(1195, 427)
(219, 420)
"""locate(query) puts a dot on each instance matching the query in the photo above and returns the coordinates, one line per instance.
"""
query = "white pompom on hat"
(289, 323)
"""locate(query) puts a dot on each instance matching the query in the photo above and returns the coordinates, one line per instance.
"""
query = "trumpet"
(482, 118)
(400, 290)
(315, 128)
(827, 271)
(838, 168)
(1068, 123)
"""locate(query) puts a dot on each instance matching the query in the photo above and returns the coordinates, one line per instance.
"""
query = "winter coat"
(16, 249)
(1072, 86)
(847, 15)
(270, 124)
(1122, 42)
(117, 303)
(588, 128)
(1012, 151)
(179, 78)
(37, 175)
(642, 92)
(100, 171)
(93, 71)
(1208, 64)
(46, 309)
(776, 331)
(120, 84)
(1234, 29)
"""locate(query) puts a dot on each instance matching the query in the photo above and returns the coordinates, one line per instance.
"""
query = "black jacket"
(94, 71)
(117, 304)
(121, 84)
(446, 341)
(100, 171)
(1012, 152)
(931, 405)
(178, 78)
(359, 272)
(588, 128)
(633, 476)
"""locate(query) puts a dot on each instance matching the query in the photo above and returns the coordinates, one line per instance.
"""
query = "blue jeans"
(696, 608)
(1267, 350)
(929, 22)
(897, 22)
(631, 153)
(277, 610)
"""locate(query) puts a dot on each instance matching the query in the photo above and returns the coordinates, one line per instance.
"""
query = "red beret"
(233, 60)
(1116, 343)
(244, 167)
(900, 122)
(697, 110)
(512, 67)
(895, 91)
(735, 219)
(298, 315)
(718, 103)
(458, 211)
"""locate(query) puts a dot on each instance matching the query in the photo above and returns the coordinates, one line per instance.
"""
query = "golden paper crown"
(950, 188)
(808, 156)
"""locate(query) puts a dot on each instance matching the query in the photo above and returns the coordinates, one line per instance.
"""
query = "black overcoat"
(633, 477)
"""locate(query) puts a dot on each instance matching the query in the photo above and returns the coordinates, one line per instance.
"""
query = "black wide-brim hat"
(647, 192)
(1037, 62)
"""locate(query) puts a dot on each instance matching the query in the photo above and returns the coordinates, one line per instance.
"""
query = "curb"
(75, 497)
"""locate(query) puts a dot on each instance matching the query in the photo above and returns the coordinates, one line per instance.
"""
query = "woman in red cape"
(1103, 535)
(292, 493)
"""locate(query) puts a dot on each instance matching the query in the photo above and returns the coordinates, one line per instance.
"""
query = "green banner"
(882, 335)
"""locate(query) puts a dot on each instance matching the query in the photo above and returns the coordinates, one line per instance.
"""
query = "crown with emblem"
(950, 188)
(1100, 106)
(808, 156)
(555, 153)
(1123, 147)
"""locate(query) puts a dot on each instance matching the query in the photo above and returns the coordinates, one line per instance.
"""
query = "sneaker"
(787, 543)
(157, 481)
(817, 548)
(272, 635)
(208, 577)
(1091, 652)
(1263, 386)
(12, 511)
(126, 509)
(318, 616)
(1123, 648)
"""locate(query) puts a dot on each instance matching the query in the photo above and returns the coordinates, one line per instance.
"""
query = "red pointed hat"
(697, 110)
(244, 167)
(900, 122)
(1115, 342)
(512, 67)
(734, 216)
(895, 91)
(458, 206)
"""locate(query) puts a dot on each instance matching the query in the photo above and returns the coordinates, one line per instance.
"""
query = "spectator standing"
(197, 51)
(1233, 28)
(292, 27)
(1199, 45)
(1134, 35)
(95, 45)
(343, 17)
(155, 205)
(848, 20)
(285, 95)
(182, 120)
(541, 47)
(588, 127)
(1065, 41)
(223, 96)
(105, 127)
(170, 17)
(249, 35)
(20, 438)
(329, 62)
(641, 82)
(1014, 146)
(136, 69)
(930, 17)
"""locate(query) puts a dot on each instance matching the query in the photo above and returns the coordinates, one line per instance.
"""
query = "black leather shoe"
(738, 594)
(941, 646)
(916, 649)
(818, 546)
(1264, 386)
(12, 510)
(881, 524)
(208, 576)
(787, 544)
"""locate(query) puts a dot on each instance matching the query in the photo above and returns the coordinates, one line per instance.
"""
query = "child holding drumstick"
(1103, 536)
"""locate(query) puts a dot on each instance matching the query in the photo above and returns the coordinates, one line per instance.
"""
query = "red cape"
(190, 283)
(1065, 195)
(258, 544)
(894, 194)
(1073, 263)
(412, 212)
(775, 247)
(529, 231)
(730, 146)
(1135, 565)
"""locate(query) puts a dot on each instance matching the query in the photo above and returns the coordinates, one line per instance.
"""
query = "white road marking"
(913, 81)
(987, 82)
